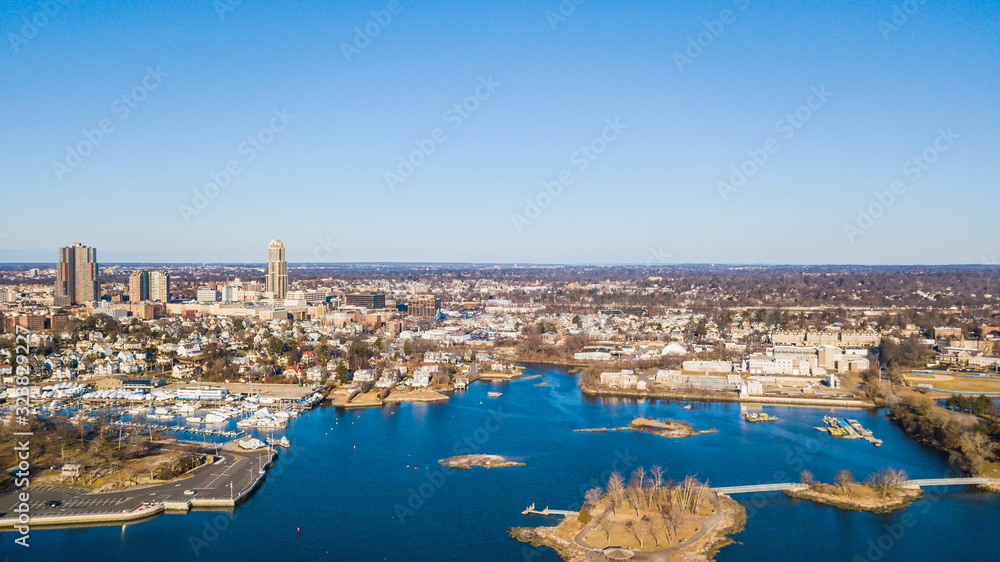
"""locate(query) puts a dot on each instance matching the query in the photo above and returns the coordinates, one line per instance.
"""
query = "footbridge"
(925, 483)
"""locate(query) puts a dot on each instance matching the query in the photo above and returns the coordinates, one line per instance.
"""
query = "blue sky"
(198, 85)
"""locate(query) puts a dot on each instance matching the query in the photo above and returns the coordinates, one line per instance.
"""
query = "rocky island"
(466, 462)
(664, 428)
(676, 520)
(883, 492)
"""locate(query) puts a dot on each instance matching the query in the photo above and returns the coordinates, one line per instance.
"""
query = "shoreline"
(148, 509)
(902, 500)
(736, 399)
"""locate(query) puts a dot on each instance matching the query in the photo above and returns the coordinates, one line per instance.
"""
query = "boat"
(195, 419)
(494, 394)
(283, 442)
(688, 407)
(214, 418)
(754, 417)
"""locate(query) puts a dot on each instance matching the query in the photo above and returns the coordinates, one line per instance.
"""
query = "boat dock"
(848, 429)
(178, 429)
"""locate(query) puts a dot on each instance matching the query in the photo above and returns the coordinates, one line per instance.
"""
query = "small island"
(882, 492)
(650, 515)
(673, 429)
(466, 462)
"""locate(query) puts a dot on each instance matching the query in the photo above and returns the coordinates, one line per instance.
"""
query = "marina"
(848, 429)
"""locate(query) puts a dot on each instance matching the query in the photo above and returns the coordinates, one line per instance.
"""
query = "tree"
(616, 489)
(807, 478)
(341, 372)
(844, 479)
(593, 496)
(606, 524)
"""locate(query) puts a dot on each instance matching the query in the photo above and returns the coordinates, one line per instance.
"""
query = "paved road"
(238, 468)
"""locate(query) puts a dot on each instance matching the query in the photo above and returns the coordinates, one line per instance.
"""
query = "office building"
(277, 270)
(367, 300)
(77, 276)
(424, 306)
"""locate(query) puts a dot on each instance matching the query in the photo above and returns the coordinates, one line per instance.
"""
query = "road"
(222, 480)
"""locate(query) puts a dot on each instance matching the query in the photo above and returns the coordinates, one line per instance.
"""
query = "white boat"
(494, 394)
(214, 418)
(283, 442)
(195, 419)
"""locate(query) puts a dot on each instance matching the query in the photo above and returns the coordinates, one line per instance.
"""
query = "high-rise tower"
(277, 270)
(77, 276)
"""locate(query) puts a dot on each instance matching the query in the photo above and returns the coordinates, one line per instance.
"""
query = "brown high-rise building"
(77, 276)
(138, 286)
(149, 285)
(426, 306)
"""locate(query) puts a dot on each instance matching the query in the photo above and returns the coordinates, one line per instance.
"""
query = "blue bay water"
(366, 485)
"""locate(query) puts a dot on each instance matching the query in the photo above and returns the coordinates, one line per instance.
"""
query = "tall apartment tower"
(277, 270)
(76, 276)
(159, 286)
(149, 285)
(138, 286)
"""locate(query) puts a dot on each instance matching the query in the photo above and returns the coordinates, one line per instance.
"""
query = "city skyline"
(734, 132)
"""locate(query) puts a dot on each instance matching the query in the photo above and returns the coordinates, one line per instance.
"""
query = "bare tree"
(844, 479)
(593, 495)
(616, 489)
(656, 477)
(606, 524)
(807, 478)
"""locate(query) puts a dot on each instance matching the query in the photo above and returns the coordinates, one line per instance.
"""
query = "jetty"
(547, 512)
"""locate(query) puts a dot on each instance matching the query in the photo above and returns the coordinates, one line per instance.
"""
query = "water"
(348, 488)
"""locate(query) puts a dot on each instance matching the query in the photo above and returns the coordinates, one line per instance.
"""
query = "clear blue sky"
(655, 186)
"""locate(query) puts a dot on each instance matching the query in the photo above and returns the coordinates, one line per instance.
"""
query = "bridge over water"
(925, 483)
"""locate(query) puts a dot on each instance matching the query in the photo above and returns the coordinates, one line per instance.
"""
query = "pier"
(178, 429)
(547, 512)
